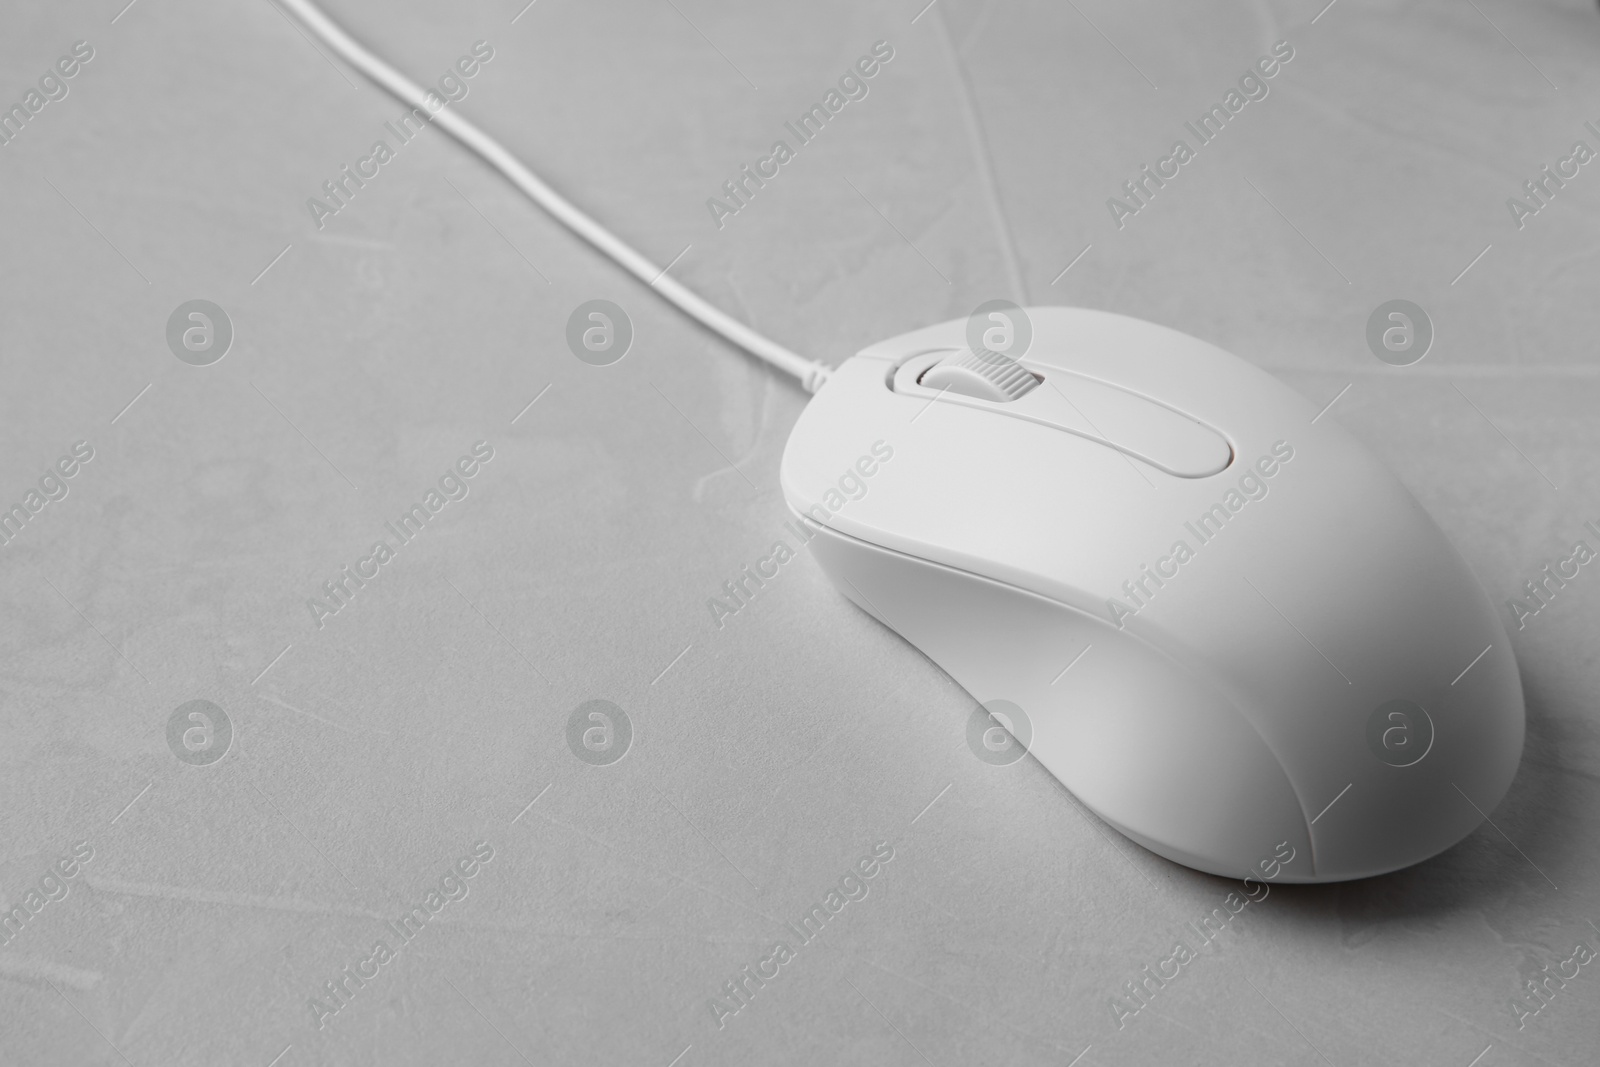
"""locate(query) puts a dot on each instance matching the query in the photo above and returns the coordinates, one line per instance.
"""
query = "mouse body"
(1230, 631)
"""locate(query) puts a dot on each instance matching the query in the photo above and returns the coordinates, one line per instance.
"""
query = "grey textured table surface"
(430, 714)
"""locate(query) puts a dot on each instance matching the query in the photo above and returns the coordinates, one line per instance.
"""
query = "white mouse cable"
(812, 374)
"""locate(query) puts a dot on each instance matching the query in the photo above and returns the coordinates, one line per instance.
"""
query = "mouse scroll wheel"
(983, 374)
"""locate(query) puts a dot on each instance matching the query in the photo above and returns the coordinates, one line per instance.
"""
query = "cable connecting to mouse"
(811, 373)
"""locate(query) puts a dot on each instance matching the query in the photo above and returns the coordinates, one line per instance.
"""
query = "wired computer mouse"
(1229, 629)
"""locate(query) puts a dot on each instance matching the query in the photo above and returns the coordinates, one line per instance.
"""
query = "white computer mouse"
(1286, 657)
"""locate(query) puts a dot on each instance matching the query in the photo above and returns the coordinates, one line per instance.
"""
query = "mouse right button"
(1134, 424)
